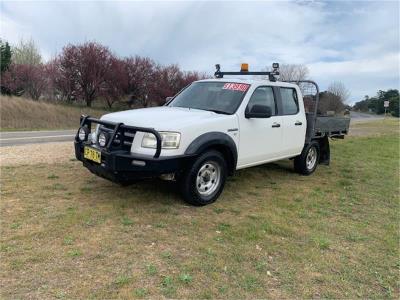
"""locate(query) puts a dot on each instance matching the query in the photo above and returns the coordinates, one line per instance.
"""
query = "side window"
(263, 95)
(290, 104)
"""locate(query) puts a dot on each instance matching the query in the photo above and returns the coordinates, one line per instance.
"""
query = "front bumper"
(122, 166)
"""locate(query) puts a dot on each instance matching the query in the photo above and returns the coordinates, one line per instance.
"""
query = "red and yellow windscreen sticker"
(241, 87)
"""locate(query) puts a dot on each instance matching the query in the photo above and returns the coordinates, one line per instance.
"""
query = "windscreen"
(220, 97)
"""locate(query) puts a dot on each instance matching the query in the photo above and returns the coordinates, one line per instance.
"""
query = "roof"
(250, 81)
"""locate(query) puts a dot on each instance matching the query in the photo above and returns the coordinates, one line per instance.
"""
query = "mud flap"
(325, 152)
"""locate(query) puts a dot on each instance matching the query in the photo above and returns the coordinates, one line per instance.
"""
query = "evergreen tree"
(5, 54)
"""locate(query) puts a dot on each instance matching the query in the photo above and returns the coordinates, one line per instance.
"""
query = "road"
(15, 138)
(359, 116)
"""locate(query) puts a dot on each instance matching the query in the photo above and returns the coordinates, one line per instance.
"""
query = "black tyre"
(307, 161)
(204, 180)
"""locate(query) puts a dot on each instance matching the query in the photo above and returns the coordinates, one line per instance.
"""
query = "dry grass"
(24, 114)
(66, 233)
(388, 125)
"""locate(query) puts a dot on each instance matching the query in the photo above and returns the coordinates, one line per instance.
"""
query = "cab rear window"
(290, 103)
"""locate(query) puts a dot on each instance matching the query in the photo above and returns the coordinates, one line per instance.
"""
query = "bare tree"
(292, 72)
(338, 89)
(26, 53)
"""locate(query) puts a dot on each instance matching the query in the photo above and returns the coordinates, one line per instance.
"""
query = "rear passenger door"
(293, 121)
(260, 138)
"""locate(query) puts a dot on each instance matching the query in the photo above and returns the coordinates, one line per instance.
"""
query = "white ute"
(210, 129)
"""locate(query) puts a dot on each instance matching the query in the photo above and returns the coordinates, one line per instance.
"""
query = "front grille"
(123, 139)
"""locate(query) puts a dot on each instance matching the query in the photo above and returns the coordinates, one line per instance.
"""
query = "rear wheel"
(307, 161)
(203, 182)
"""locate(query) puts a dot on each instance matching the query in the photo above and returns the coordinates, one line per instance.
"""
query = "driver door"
(260, 138)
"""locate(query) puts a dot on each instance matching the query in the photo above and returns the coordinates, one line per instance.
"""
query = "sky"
(355, 42)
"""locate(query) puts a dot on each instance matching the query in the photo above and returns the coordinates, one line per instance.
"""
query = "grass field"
(273, 234)
(24, 114)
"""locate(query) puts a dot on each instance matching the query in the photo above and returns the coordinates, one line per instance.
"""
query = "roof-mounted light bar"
(244, 70)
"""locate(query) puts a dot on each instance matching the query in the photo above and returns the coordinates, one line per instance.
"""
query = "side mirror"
(168, 99)
(258, 111)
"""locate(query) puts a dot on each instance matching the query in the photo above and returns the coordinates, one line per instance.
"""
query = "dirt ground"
(31, 154)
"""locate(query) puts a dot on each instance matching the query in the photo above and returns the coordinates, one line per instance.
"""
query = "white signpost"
(385, 105)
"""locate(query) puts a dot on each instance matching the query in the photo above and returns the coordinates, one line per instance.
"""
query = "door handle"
(276, 125)
(298, 123)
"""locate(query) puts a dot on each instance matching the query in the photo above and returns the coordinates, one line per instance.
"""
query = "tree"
(394, 102)
(20, 79)
(84, 67)
(328, 101)
(168, 81)
(377, 103)
(53, 76)
(338, 89)
(150, 83)
(26, 53)
(35, 80)
(362, 105)
(116, 82)
(141, 79)
(11, 80)
(190, 76)
(334, 98)
(392, 96)
(292, 72)
(5, 53)
(62, 81)
(90, 71)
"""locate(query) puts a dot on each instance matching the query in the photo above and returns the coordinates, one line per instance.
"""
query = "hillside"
(23, 114)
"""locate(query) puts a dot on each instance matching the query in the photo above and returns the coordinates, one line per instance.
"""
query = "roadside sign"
(386, 104)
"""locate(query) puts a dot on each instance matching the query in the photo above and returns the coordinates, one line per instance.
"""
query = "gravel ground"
(49, 153)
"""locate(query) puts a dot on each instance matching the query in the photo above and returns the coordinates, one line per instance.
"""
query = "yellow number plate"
(92, 154)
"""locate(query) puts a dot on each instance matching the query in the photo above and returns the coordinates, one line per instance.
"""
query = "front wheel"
(307, 161)
(203, 182)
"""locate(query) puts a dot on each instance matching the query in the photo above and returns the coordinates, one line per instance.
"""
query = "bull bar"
(119, 129)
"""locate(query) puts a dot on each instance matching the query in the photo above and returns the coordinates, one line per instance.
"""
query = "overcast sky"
(353, 42)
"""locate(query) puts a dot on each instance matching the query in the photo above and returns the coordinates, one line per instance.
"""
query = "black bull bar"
(118, 129)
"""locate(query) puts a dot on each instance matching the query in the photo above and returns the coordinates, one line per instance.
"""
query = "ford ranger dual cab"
(210, 129)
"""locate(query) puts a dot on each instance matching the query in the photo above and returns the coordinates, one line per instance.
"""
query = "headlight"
(83, 133)
(102, 139)
(169, 140)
